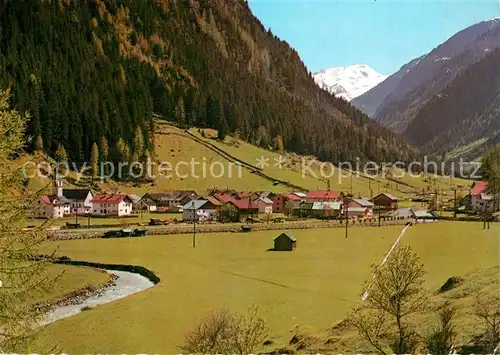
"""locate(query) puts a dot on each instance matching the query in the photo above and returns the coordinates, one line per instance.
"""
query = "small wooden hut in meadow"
(285, 242)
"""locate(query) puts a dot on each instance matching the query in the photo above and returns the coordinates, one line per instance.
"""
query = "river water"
(125, 284)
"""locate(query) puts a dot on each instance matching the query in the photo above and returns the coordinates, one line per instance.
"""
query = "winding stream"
(125, 284)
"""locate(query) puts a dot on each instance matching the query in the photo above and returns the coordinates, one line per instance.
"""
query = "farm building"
(326, 209)
(264, 204)
(145, 205)
(51, 206)
(155, 201)
(81, 200)
(171, 201)
(385, 201)
(322, 196)
(359, 207)
(481, 201)
(416, 213)
(285, 242)
(279, 201)
(245, 207)
(200, 210)
(112, 205)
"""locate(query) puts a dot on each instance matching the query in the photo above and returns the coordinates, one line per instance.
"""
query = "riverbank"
(120, 284)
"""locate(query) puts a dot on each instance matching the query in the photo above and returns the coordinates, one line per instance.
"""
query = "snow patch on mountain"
(350, 81)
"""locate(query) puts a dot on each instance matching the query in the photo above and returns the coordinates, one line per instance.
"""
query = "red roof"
(244, 205)
(224, 198)
(291, 197)
(109, 198)
(243, 194)
(323, 195)
(46, 199)
(213, 200)
(479, 188)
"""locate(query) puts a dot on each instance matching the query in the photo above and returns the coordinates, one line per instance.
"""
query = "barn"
(285, 242)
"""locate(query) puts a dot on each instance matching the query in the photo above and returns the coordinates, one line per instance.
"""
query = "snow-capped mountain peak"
(350, 81)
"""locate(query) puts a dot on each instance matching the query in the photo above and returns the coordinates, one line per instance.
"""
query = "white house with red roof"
(51, 206)
(117, 205)
(480, 200)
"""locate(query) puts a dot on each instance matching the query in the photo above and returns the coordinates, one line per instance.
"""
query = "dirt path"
(365, 295)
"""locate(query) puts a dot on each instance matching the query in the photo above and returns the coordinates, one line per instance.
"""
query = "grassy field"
(71, 278)
(174, 146)
(314, 286)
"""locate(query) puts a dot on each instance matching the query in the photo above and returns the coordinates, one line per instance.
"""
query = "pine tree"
(104, 149)
(95, 161)
(262, 138)
(180, 115)
(213, 112)
(223, 129)
(39, 144)
(122, 156)
(278, 144)
(60, 155)
(61, 158)
(122, 150)
(139, 143)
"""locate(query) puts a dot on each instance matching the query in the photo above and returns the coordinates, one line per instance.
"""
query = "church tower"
(57, 187)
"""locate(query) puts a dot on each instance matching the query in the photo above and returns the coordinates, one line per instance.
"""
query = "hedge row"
(136, 269)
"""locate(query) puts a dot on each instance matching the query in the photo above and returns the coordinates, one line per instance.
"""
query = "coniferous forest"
(101, 71)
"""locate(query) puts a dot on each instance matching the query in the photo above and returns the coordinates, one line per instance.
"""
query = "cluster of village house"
(65, 202)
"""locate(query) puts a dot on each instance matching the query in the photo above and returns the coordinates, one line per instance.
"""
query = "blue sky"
(382, 34)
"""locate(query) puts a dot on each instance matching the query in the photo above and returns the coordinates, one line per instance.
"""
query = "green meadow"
(314, 286)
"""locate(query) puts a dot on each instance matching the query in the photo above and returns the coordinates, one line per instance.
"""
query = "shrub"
(224, 332)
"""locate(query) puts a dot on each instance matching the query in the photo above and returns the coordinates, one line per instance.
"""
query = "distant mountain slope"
(467, 110)
(422, 78)
(350, 81)
(88, 70)
(370, 101)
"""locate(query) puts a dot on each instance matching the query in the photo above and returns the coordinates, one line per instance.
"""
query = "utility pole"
(379, 216)
(486, 220)
(250, 208)
(484, 217)
(346, 211)
(194, 226)
(454, 203)
(76, 213)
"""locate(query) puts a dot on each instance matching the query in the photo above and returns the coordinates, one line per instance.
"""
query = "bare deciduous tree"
(440, 340)
(488, 309)
(395, 293)
(223, 332)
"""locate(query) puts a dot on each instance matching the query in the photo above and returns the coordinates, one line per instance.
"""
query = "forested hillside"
(96, 71)
(434, 71)
(465, 111)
